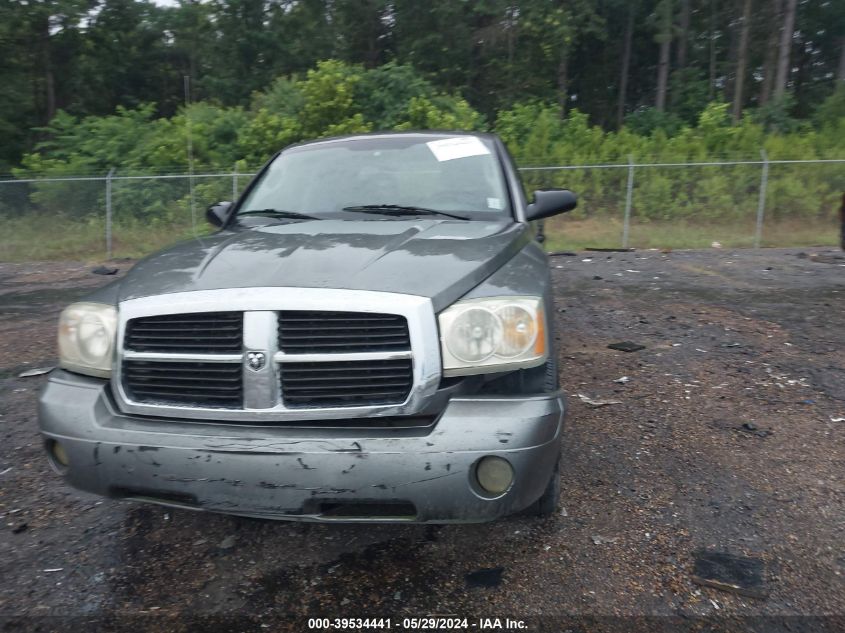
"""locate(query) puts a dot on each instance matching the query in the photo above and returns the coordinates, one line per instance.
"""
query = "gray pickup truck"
(368, 337)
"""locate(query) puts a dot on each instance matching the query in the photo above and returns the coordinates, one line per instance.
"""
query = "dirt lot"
(729, 436)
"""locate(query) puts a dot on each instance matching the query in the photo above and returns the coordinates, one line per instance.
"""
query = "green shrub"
(338, 98)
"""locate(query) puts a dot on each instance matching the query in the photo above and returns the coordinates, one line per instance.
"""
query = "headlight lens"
(86, 338)
(474, 334)
(518, 332)
(492, 334)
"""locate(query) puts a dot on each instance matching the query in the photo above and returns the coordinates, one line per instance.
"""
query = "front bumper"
(299, 473)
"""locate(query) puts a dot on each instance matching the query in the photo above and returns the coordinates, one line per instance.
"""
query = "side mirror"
(549, 202)
(218, 214)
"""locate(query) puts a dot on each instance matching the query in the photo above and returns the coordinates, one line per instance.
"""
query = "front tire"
(548, 503)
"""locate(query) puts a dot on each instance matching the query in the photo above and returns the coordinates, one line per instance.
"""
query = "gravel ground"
(727, 436)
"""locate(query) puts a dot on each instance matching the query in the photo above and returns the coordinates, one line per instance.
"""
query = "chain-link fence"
(697, 204)
(642, 205)
(114, 215)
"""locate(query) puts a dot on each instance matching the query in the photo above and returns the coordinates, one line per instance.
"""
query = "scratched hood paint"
(438, 259)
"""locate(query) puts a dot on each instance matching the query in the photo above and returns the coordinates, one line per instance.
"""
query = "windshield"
(458, 174)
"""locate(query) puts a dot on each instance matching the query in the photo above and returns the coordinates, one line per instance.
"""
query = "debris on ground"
(228, 542)
(39, 371)
(596, 403)
(748, 427)
(626, 346)
(105, 270)
(23, 527)
(623, 380)
(837, 419)
(724, 571)
(603, 540)
(827, 259)
(6, 470)
(487, 577)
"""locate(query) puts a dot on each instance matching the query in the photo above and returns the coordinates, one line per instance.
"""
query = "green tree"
(554, 29)
(87, 57)
(124, 60)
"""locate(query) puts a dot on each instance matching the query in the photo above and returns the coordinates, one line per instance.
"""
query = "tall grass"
(42, 237)
(564, 233)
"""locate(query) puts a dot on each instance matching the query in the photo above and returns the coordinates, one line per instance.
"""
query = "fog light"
(58, 456)
(494, 474)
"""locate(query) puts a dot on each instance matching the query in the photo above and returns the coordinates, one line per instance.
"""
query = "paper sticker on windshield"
(495, 203)
(458, 147)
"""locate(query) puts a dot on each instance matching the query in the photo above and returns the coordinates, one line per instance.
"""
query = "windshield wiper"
(399, 209)
(277, 213)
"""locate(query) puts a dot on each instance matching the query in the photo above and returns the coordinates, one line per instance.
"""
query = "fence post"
(108, 213)
(190, 148)
(235, 183)
(628, 198)
(761, 201)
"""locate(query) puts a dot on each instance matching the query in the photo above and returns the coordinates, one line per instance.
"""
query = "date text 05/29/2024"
(417, 624)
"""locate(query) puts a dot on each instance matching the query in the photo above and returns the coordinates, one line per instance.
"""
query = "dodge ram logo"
(256, 360)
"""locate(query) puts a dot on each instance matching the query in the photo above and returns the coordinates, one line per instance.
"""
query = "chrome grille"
(192, 383)
(346, 383)
(277, 355)
(204, 333)
(303, 332)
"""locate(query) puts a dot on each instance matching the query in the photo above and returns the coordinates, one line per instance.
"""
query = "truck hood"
(438, 259)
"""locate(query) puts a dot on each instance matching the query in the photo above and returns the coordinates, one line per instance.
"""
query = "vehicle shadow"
(180, 562)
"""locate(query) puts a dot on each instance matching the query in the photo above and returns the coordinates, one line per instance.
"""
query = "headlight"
(86, 338)
(490, 335)
(474, 335)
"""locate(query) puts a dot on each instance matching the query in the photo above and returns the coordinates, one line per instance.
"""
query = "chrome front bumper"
(290, 472)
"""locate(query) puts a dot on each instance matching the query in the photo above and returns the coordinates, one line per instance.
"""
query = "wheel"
(547, 504)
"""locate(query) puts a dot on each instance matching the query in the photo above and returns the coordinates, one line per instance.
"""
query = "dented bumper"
(306, 473)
